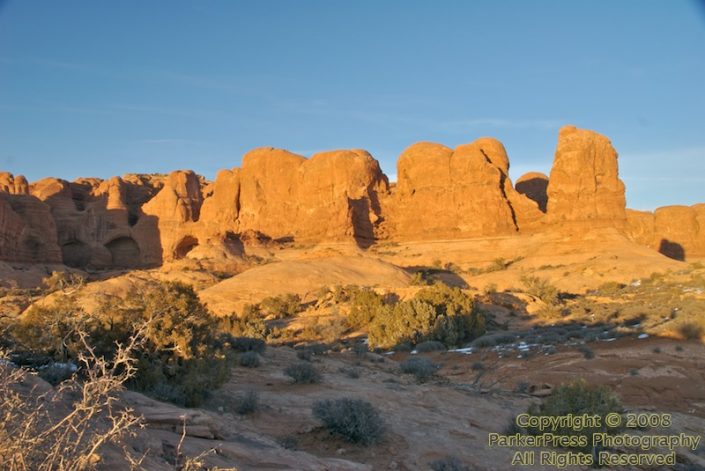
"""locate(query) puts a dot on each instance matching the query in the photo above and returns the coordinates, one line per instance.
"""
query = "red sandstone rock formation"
(676, 231)
(584, 186)
(341, 195)
(27, 230)
(461, 193)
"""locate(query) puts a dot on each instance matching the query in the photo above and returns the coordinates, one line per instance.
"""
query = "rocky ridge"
(280, 197)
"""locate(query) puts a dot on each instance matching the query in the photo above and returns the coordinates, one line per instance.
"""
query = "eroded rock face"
(95, 221)
(27, 230)
(584, 186)
(677, 232)
(456, 193)
(331, 196)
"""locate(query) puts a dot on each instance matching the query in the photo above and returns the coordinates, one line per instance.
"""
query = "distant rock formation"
(280, 197)
(27, 230)
(464, 192)
(584, 186)
(676, 231)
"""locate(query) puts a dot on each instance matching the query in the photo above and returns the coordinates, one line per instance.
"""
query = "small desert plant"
(430, 346)
(587, 352)
(248, 403)
(247, 344)
(499, 264)
(422, 368)
(541, 289)
(352, 373)
(282, 306)
(354, 420)
(361, 349)
(249, 324)
(490, 288)
(449, 463)
(303, 373)
(249, 359)
(690, 331)
(419, 278)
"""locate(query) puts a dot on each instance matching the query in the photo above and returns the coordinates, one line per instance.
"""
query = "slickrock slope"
(337, 196)
(584, 186)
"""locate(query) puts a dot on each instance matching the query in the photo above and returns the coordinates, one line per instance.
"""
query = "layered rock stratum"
(279, 197)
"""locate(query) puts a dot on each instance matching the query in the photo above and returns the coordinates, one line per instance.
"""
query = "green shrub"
(430, 346)
(247, 344)
(354, 420)
(282, 306)
(328, 330)
(541, 289)
(439, 313)
(249, 359)
(303, 373)
(248, 403)
(361, 349)
(180, 358)
(422, 368)
(365, 305)
(587, 352)
(250, 324)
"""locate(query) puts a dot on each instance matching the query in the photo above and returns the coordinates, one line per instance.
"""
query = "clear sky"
(101, 88)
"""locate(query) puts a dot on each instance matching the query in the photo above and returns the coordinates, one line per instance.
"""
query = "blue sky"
(99, 88)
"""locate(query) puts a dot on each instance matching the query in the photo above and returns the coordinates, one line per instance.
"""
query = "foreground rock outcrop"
(280, 197)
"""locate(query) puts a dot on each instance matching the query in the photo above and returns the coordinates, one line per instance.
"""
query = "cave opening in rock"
(124, 251)
(186, 244)
(75, 254)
